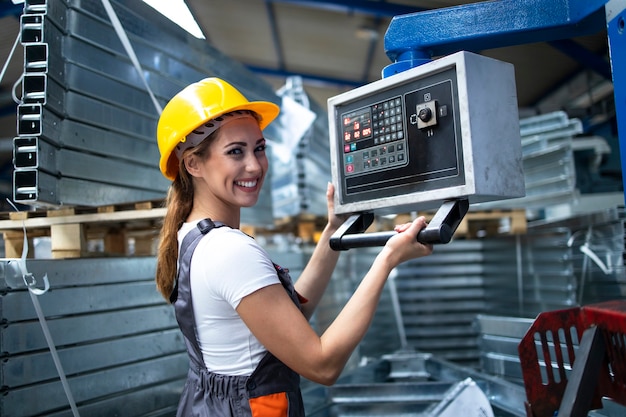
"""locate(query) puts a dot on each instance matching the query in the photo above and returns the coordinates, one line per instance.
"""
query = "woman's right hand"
(404, 245)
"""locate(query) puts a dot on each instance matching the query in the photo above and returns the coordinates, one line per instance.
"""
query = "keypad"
(386, 147)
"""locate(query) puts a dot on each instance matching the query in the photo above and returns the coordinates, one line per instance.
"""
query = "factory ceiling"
(338, 45)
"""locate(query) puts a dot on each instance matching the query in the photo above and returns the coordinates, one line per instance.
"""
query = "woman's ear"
(192, 164)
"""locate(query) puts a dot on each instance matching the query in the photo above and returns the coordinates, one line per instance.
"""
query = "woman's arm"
(315, 277)
(283, 330)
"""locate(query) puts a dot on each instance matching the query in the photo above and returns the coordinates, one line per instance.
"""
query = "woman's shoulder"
(225, 240)
(235, 235)
(225, 232)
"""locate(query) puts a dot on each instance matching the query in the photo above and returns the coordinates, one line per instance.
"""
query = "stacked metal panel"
(299, 177)
(498, 342)
(440, 295)
(313, 158)
(548, 161)
(117, 341)
(556, 265)
(86, 125)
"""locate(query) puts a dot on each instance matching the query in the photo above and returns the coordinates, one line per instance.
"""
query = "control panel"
(429, 134)
(374, 137)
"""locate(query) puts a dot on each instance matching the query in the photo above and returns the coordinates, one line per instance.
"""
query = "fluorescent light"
(178, 12)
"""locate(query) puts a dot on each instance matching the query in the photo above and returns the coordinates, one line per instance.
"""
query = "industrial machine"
(439, 144)
(444, 133)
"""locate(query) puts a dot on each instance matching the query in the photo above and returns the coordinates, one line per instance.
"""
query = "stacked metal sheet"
(118, 343)
(300, 174)
(498, 342)
(86, 125)
(556, 265)
(548, 160)
(440, 295)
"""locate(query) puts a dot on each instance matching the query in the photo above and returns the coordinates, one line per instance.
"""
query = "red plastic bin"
(555, 339)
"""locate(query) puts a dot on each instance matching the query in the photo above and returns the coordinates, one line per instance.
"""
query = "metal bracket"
(581, 386)
(439, 230)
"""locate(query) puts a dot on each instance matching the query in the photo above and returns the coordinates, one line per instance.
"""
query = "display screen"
(357, 125)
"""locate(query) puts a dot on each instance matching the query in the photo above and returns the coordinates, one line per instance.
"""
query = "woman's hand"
(404, 246)
(334, 221)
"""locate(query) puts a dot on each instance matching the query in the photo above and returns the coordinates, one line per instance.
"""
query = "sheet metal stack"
(548, 160)
(86, 125)
(301, 168)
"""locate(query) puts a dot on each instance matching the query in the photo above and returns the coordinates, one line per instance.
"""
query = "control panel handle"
(439, 231)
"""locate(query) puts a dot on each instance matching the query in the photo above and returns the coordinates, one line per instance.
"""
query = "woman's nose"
(253, 164)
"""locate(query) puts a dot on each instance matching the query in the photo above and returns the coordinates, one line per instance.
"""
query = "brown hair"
(179, 203)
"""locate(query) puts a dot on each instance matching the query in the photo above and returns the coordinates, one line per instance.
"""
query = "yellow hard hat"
(195, 105)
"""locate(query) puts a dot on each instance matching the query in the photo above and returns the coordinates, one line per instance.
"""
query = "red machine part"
(596, 334)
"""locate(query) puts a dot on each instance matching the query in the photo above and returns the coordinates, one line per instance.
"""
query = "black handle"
(440, 229)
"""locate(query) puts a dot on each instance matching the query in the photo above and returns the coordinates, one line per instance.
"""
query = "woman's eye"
(261, 148)
(235, 151)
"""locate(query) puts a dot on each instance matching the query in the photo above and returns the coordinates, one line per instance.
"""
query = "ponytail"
(179, 202)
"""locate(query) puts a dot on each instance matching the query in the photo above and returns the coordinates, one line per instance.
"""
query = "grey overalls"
(273, 389)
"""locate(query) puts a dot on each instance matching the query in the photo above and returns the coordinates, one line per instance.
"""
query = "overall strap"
(181, 295)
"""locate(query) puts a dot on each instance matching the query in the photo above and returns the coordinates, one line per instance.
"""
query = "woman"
(245, 325)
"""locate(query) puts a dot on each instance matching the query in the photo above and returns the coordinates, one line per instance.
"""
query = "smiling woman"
(244, 321)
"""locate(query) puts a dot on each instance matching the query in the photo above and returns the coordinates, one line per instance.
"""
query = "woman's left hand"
(334, 220)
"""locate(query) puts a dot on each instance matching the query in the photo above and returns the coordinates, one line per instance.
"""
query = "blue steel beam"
(583, 56)
(312, 78)
(616, 30)
(7, 8)
(278, 46)
(367, 7)
(415, 38)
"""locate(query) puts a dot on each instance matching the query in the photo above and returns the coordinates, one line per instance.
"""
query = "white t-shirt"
(227, 265)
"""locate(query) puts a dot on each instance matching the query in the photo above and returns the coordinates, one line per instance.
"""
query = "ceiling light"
(178, 12)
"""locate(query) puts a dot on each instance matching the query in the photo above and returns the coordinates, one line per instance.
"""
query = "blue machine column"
(615, 17)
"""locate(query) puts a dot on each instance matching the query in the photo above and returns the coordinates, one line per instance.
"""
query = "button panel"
(374, 137)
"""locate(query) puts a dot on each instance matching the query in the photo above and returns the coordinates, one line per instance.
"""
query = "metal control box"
(445, 130)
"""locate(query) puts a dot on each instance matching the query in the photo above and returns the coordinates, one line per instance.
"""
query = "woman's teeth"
(246, 184)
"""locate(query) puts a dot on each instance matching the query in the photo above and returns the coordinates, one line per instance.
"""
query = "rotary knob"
(425, 114)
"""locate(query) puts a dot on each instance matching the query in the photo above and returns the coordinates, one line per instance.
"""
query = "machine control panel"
(407, 141)
(374, 137)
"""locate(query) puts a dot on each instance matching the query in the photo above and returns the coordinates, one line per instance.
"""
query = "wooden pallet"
(491, 223)
(475, 224)
(306, 227)
(132, 229)
(129, 229)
